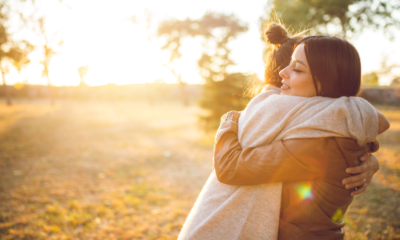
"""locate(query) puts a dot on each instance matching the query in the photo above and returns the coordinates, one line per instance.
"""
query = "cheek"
(309, 86)
(303, 85)
(298, 82)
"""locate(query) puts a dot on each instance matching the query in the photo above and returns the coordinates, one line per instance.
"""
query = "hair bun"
(276, 34)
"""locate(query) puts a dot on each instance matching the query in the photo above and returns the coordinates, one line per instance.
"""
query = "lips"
(284, 86)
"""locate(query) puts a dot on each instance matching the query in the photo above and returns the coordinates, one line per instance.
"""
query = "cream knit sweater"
(252, 212)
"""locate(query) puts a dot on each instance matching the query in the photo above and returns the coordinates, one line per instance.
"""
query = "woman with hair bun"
(280, 52)
(305, 135)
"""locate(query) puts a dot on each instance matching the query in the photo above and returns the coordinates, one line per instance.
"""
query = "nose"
(284, 73)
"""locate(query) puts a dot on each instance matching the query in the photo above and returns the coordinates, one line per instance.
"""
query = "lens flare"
(338, 216)
(304, 191)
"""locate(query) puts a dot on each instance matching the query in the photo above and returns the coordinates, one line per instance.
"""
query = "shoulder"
(272, 89)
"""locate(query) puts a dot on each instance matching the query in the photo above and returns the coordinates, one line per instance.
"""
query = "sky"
(102, 35)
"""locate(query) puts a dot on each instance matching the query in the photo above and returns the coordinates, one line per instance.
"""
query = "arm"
(364, 173)
(275, 162)
(271, 163)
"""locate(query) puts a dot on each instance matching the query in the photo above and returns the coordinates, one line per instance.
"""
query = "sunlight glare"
(304, 191)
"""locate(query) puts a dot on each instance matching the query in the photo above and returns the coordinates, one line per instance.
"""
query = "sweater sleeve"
(362, 119)
(281, 161)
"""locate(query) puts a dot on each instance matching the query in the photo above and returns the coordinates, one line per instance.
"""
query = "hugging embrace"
(288, 166)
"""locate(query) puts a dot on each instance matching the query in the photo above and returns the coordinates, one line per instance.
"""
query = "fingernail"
(347, 171)
(363, 158)
(352, 194)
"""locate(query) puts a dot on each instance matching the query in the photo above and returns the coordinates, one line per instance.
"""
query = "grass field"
(84, 170)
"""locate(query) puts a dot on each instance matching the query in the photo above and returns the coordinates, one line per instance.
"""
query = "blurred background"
(108, 109)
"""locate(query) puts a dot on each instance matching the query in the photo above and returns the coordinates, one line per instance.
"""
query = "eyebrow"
(299, 61)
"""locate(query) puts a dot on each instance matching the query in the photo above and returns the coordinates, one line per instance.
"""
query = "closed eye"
(297, 70)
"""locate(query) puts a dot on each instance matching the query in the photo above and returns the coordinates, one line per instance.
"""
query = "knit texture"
(252, 212)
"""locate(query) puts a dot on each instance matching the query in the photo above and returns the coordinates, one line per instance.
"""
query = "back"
(315, 208)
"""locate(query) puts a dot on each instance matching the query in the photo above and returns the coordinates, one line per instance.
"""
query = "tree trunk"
(6, 90)
(344, 29)
(51, 91)
(184, 93)
(150, 94)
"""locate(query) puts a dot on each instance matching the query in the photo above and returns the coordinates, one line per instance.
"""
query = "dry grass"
(127, 171)
(99, 171)
(376, 213)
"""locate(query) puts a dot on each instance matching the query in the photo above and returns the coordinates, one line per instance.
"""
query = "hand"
(231, 115)
(363, 174)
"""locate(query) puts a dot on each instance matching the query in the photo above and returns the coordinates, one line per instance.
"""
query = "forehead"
(299, 54)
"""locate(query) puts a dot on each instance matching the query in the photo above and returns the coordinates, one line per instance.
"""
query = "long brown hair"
(335, 65)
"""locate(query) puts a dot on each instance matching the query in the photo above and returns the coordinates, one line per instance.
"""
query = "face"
(296, 78)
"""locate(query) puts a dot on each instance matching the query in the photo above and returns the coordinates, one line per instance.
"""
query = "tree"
(370, 79)
(343, 17)
(223, 91)
(48, 41)
(82, 73)
(385, 70)
(175, 30)
(395, 82)
(219, 97)
(12, 52)
(49, 51)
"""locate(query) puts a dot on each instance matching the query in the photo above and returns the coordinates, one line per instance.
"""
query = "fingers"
(365, 156)
(359, 169)
(364, 173)
(356, 184)
(374, 163)
(360, 190)
(356, 178)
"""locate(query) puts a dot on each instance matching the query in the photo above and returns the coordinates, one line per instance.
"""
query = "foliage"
(175, 30)
(216, 30)
(82, 70)
(370, 79)
(395, 82)
(223, 91)
(11, 52)
(48, 41)
(48, 47)
(219, 97)
(347, 17)
(385, 70)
